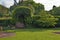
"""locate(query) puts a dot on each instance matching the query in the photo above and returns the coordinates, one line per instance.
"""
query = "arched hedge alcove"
(20, 14)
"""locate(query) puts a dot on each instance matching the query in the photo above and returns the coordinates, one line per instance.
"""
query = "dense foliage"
(21, 13)
(44, 19)
(4, 10)
(32, 14)
(56, 12)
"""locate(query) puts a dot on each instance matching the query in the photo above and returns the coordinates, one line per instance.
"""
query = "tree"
(4, 10)
(56, 12)
(44, 19)
(15, 3)
(37, 6)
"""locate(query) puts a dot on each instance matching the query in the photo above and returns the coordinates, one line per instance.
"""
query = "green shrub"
(44, 19)
(1, 14)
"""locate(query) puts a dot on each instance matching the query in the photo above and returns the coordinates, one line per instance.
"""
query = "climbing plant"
(22, 14)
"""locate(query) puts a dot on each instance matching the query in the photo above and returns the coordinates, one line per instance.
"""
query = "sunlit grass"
(35, 34)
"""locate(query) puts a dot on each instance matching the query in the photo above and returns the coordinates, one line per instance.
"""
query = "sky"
(48, 4)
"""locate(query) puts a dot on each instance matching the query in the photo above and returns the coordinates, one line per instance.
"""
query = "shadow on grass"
(28, 30)
(32, 30)
(36, 29)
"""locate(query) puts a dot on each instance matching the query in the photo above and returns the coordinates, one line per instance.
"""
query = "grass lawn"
(35, 34)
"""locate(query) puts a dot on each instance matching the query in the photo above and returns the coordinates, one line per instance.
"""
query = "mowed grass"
(34, 34)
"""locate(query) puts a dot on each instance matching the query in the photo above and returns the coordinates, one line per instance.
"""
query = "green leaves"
(33, 14)
(44, 19)
(22, 14)
(1, 14)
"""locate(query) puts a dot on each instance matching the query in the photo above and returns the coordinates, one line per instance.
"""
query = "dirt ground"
(56, 32)
(6, 34)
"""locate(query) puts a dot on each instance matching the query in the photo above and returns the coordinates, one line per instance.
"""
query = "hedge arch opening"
(20, 14)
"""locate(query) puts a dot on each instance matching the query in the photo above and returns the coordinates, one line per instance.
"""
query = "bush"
(1, 14)
(44, 19)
